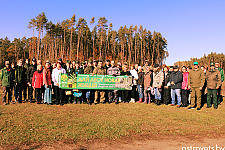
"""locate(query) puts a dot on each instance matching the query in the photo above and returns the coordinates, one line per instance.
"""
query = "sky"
(192, 27)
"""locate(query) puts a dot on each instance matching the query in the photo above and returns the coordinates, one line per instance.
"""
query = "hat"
(68, 61)
(90, 61)
(60, 59)
(195, 63)
(212, 64)
(108, 60)
(175, 67)
(34, 59)
(77, 62)
(47, 61)
(171, 66)
(156, 65)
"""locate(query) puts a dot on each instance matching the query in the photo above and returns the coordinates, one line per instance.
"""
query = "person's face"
(196, 66)
(7, 65)
(107, 63)
(131, 67)
(212, 67)
(47, 65)
(125, 68)
(175, 70)
(202, 68)
(77, 65)
(165, 70)
(100, 64)
(95, 63)
(58, 65)
(183, 69)
(20, 63)
(171, 69)
(27, 62)
(136, 66)
(217, 65)
(89, 64)
(67, 65)
(33, 62)
(39, 68)
(39, 62)
(12, 65)
(112, 63)
(146, 63)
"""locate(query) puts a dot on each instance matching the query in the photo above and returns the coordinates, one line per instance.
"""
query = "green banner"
(97, 82)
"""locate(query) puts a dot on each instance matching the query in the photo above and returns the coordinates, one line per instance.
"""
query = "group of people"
(180, 87)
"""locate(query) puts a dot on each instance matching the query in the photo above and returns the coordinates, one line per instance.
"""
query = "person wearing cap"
(100, 70)
(30, 73)
(89, 93)
(219, 96)
(114, 71)
(196, 81)
(63, 65)
(20, 80)
(7, 77)
(47, 82)
(213, 79)
(176, 79)
(157, 83)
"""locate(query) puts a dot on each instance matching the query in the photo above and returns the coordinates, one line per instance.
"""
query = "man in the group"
(26, 66)
(99, 71)
(176, 79)
(213, 80)
(63, 65)
(157, 83)
(30, 73)
(107, 65)
(219, 96)
(89, 70)
(20, 80)
(196, 81)
(136, 67)
(7, 77)
(95, 63)
(114, 71)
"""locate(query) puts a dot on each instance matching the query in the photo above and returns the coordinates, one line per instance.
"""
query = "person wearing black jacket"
(32, 68)
(125, 93)
(166, 89)
(140, 84)
(176, 79)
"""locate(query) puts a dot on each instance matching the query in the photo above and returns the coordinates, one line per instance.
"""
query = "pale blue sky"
(192, 27)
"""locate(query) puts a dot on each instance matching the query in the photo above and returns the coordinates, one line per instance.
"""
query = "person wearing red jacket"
(184, 87)
(37, 83)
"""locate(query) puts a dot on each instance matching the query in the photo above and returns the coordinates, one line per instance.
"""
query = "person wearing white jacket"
(134, 87)
(55, 78)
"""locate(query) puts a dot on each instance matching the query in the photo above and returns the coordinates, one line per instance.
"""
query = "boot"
(132, 100)
(140, 100)
(149, 100)
(146, 100)
(158, 102)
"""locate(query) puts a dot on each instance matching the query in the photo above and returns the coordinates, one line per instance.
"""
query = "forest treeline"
(80, 40)
(205, 60)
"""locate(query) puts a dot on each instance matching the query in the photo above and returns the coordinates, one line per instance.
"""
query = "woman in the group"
(140, 83)
(125, 93)
(55, 78)
(184, 87)
(135, 78)
(166, 89)
(37, 83)
(147, 85)
(47, 83)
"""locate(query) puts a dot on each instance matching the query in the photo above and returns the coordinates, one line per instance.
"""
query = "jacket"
(213, 79)
(140, 78)
(99, 70)
(158, 78)
(88, 70)
(166, 79)
(7, 77)
(37, 80)
(185, 80)
(30, 72)
(134, 75)
(55, 74)
(20, 75)
(177, 78)
(147, 79)
(47, 79)
(196, 78)
(221, 73)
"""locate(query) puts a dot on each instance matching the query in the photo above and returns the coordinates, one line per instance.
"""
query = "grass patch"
(22, 123)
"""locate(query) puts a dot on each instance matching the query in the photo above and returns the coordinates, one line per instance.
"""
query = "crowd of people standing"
(174, 86)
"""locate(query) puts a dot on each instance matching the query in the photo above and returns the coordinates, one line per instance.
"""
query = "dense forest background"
(73, 39)
(204, 61)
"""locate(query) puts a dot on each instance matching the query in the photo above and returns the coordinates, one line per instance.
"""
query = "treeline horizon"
(72, 39)
(205, 61)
